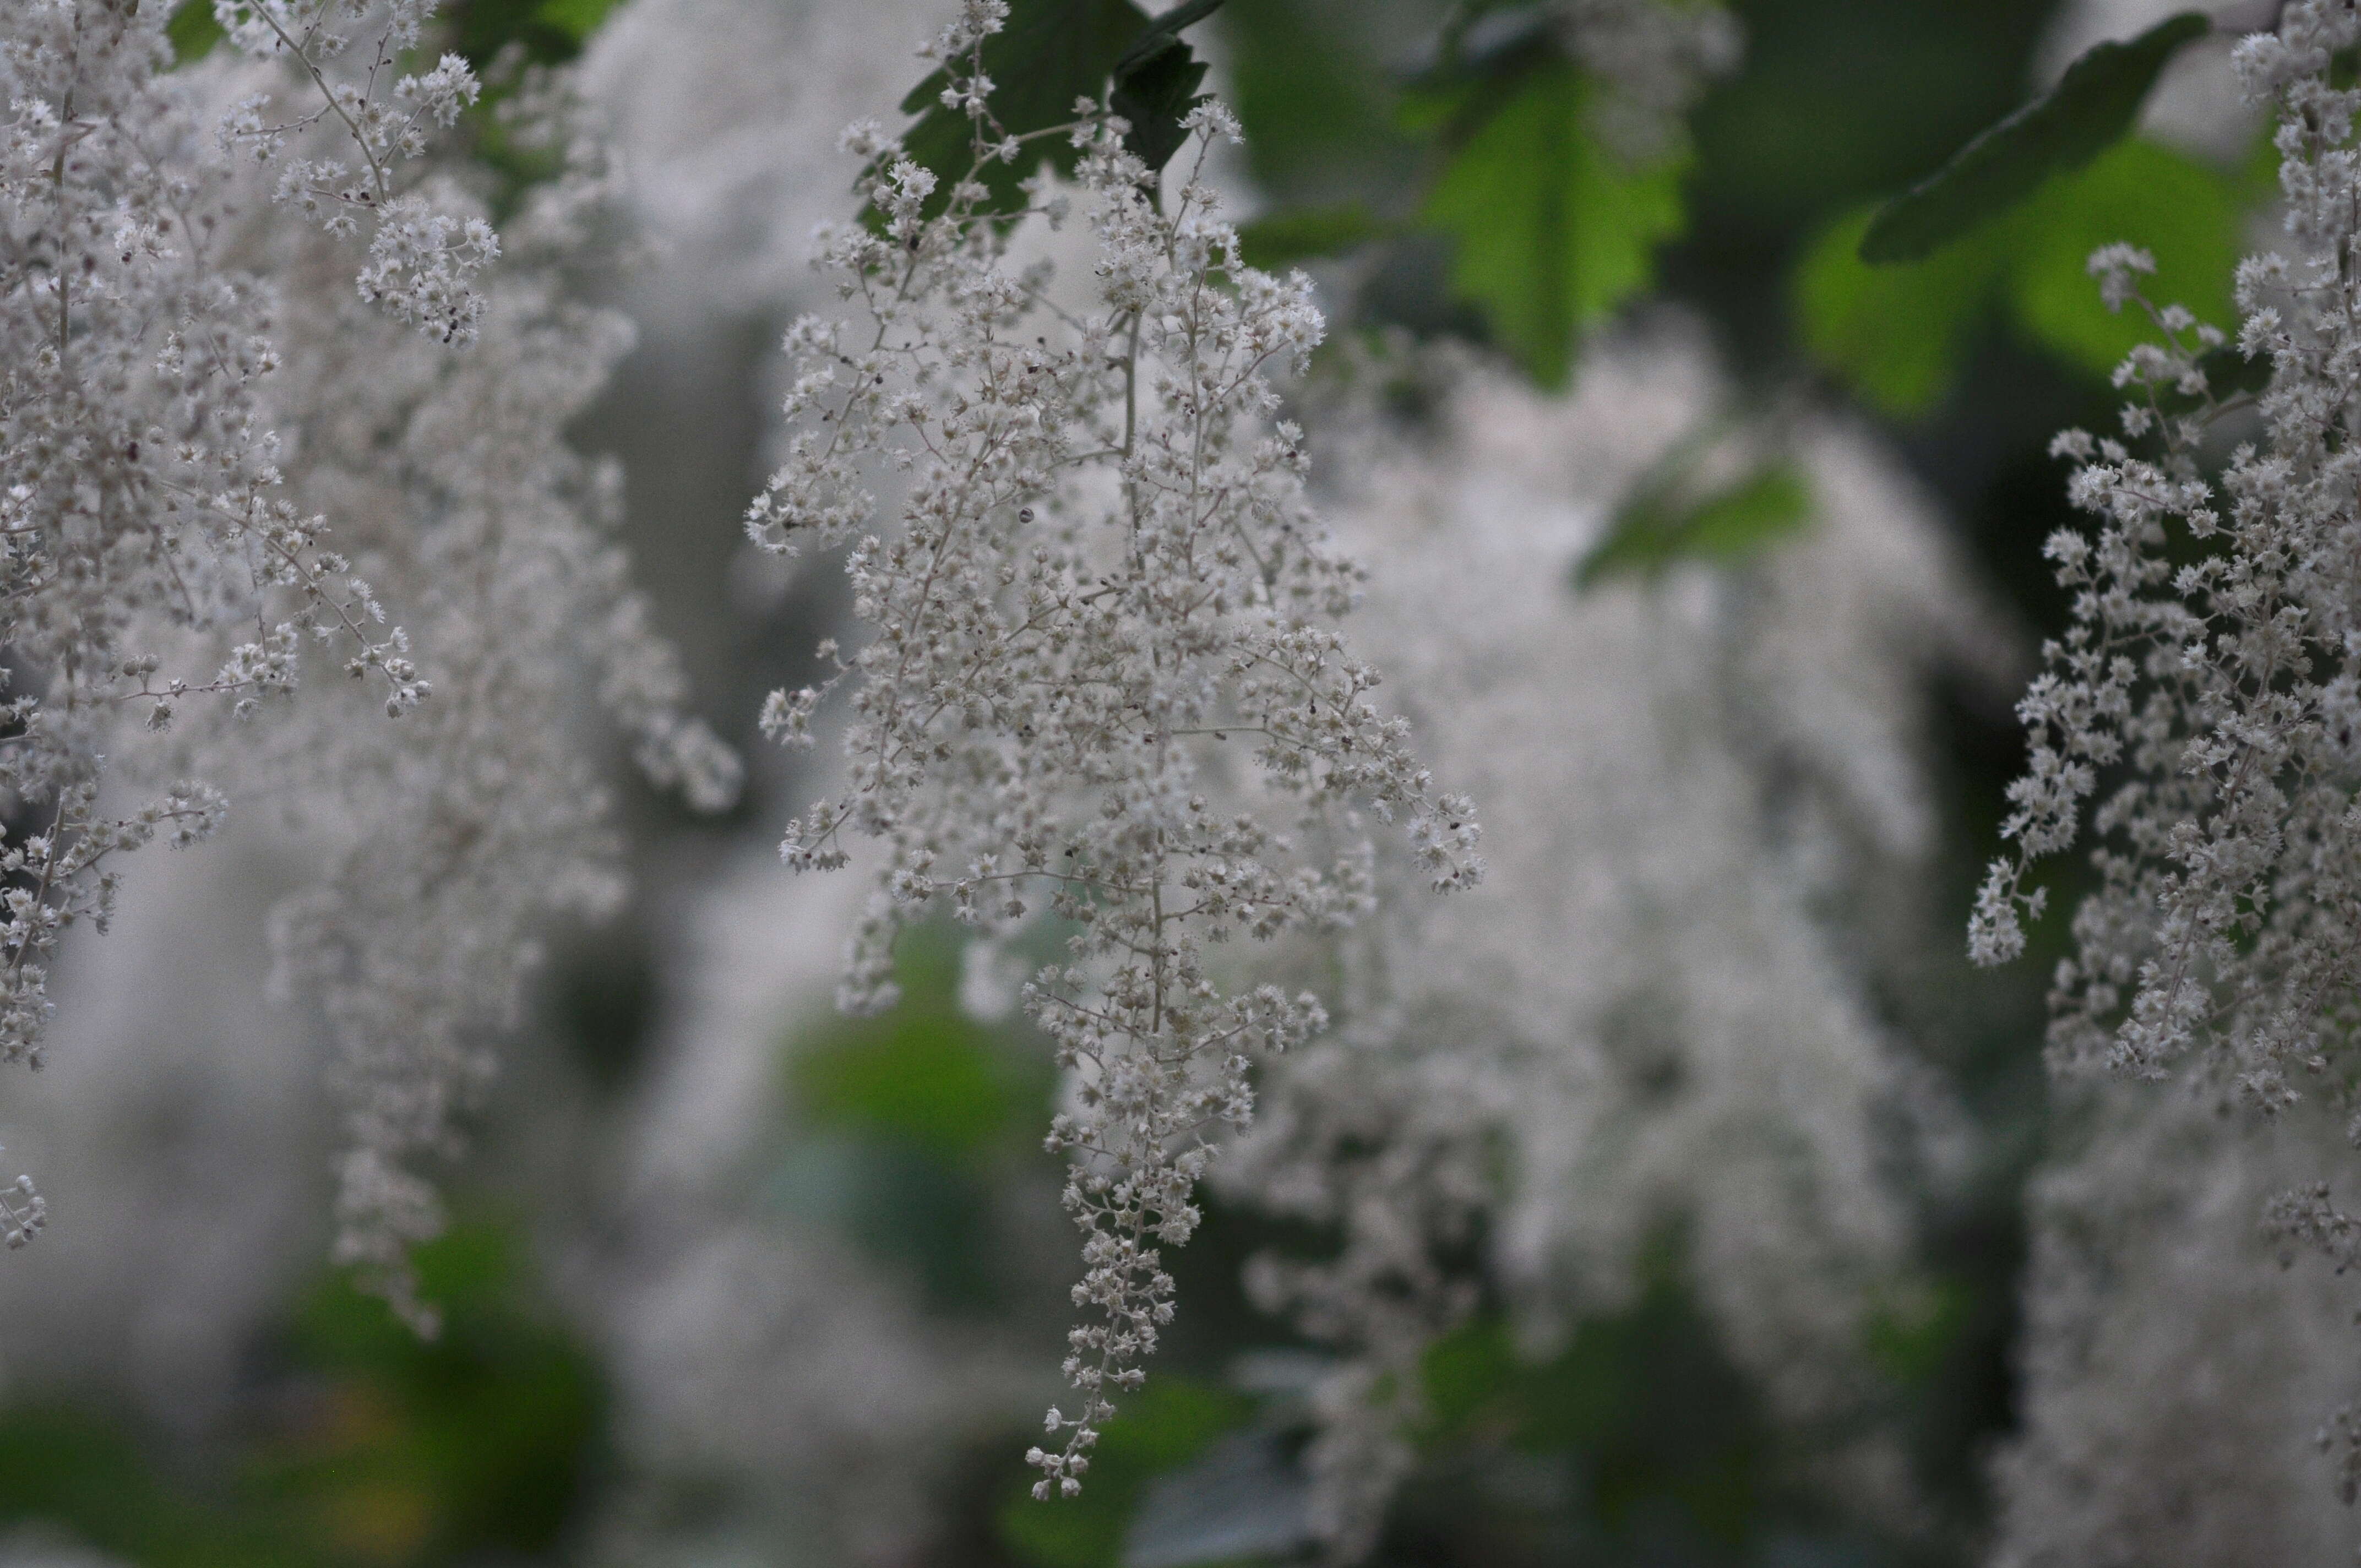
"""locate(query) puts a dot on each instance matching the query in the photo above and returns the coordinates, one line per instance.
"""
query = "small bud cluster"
(1101, 682)
(22, 1212)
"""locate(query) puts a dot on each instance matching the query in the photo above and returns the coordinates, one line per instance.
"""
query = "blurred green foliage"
(549, 31)
(923, 1072)
(416, 1449)
(1550, 228)
(1898, 335)
(1660, 524)
(193, 30)
(908, 1119)
(1496, 151)
(372, 1448)
(2089, 109)
(1636, 1441)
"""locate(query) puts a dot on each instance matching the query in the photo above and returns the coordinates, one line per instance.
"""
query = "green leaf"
(1168, 26)
(2181, 211)
(2089, 109)
(1552, 229)
(575, 19)
(192, 32)
(1049, 53)
(1898, 335)
(1657, 528)
(1305, 232)
(1895, 336)
(551, 32)
(1316, 102)
(1153, 95)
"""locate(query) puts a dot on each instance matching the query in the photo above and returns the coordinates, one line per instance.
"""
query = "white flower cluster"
(2209, 701)
(2177, 1384)
(451, 840)
(423, 258)
(142, 508)
(1651, 1018)
(2225, 689)
(1100, 683)
(154, 512)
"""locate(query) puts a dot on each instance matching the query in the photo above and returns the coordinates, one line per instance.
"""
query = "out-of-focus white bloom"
(729, 166)
(2174, 1379)
(1101, 677)
(181, 1127)
(751, 1349)
(452, 840)
(1646, 1017)
(157, 528)
(763, 1348)
(1652, 56)
(35, 1546)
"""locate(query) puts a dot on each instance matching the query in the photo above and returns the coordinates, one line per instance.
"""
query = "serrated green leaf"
(1305, 232)
(1655, 528)
(2184, 213)
(1895, 336)
(1153, 96)
(192, 32)
(1551, 229)
(1049, 53)
(2089, 109)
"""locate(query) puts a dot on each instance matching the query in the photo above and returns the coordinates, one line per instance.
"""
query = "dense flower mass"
(1101, 681)
(2206, 697)
(142, 479)
(2222, 691)
(196, 392)
(1650, 1017)
(2180, 1378)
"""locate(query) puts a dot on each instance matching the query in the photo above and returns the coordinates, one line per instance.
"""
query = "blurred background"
(735, 1280)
